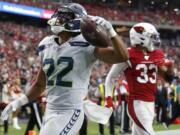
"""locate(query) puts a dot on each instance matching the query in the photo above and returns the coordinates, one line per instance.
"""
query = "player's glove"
(168, 62)
(105, 24)
(169, 75)
(13, 106)
(109, 102)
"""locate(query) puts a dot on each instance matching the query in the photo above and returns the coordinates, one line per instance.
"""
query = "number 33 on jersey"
(142, 75)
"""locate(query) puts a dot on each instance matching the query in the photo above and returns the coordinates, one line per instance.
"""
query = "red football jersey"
(142, 74)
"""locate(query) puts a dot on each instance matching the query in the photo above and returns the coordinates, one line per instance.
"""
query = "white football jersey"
(67, 68)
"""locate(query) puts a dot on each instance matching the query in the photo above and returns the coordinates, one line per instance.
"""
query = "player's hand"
(168, 62)
(109, 102)
(13, 106)
(105, 24)
(169, 65)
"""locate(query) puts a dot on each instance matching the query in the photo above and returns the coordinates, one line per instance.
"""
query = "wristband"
(112, 33)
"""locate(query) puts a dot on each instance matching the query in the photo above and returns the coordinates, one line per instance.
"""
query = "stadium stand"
(157, 16)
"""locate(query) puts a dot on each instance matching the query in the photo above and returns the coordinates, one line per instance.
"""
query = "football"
(94, 33)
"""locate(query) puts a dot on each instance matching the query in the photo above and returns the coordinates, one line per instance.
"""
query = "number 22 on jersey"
(144, 76)
(58, 75)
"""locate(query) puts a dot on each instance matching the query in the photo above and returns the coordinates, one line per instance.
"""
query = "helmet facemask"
(65, 19)
(152, 41)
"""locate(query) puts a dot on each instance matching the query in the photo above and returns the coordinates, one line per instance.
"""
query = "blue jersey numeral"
(59, 77)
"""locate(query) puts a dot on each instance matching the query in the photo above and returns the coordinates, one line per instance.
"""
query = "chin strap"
(71, 26)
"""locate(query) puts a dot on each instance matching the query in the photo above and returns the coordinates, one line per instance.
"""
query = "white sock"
(15, 123)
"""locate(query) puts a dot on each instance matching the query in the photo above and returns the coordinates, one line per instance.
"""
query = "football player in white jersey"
(67, 59)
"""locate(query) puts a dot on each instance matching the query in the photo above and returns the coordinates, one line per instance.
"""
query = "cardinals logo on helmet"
(139, 29)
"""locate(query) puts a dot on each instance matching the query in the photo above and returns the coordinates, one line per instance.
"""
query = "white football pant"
(62, 122)
(142, 114)
(97, 113)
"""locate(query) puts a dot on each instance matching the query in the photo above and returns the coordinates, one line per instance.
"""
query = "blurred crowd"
(18, 43)
(18, 51)
(112, 12)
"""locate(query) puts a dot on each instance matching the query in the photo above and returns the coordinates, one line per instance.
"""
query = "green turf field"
(92, 129)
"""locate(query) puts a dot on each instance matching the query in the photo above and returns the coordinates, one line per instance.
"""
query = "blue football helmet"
(67, 18)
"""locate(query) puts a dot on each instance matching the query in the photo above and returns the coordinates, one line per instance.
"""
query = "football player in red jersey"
(144, 64)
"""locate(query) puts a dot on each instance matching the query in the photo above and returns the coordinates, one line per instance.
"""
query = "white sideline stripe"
(169, 132)
(37, 114)
(122, 115)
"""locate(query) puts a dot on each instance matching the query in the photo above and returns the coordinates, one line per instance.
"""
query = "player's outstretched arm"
(115, 70)
(38, 86)
(120, 48)
(119, 52)
(33, 93)
(107, 55)
(167, 70)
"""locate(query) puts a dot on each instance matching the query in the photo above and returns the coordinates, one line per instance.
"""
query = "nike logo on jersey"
(70, 24)
(146, 57)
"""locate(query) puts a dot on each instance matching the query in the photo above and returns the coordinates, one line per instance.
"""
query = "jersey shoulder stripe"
(47, 40)
(41, 48)
(79, 43)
